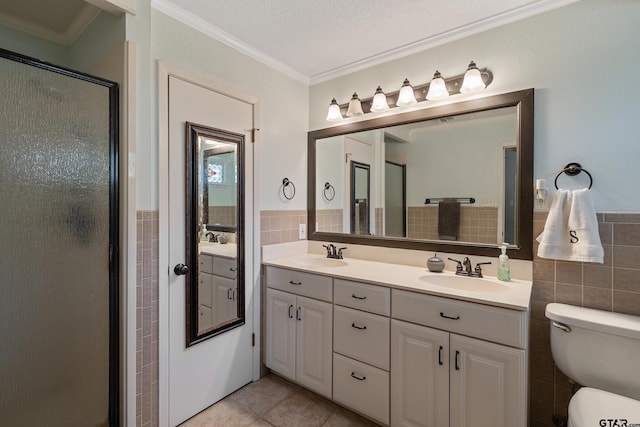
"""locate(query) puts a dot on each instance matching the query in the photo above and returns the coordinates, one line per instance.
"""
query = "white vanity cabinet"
(217, 290)
(205, 292)
(299, 342)
(441, 376)
(225, 289)
(361, 361)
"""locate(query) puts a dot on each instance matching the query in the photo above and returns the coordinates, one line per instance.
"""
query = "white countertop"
(514, 295)
(228, 250)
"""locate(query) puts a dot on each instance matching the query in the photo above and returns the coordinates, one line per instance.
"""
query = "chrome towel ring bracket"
(573, 169)
(328, 192)
(286, 183)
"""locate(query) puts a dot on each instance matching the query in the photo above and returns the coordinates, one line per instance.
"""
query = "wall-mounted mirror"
(453, 178)
(215, 301)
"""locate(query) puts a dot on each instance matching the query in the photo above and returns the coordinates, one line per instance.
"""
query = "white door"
(488, 384)
(206, 372)
(419, 376)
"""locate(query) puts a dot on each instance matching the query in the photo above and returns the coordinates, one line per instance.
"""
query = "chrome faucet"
(466, 264)
(333, 252)
(463, 268)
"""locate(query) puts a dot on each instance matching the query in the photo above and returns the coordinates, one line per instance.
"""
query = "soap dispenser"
(504, 271)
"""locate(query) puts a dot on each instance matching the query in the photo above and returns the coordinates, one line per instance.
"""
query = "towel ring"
(285, 184)
(573, 169)
(328, 192)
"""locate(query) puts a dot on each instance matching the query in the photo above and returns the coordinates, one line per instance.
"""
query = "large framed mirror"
(214, 238)
(452, 178)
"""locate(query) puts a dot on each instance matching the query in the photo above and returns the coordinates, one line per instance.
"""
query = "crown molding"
(84, 18)
(498, 20)
(216, 33)
(486, 24)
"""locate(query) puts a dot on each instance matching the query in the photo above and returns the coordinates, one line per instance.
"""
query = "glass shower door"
(58, 238)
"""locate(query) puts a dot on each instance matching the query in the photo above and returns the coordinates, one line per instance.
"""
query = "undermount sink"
(465, 283)
(320, 262)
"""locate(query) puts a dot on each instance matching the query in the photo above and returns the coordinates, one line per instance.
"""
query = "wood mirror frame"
(521, 100)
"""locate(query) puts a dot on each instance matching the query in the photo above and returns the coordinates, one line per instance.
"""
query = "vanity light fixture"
(437, 88)
(379, 102)
(472, 79)
(355, 106)
(334, 113)
(406, 96)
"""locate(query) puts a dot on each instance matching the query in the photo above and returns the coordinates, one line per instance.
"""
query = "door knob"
(180, 269)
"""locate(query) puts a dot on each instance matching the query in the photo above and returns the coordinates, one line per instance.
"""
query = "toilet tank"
(597, 348)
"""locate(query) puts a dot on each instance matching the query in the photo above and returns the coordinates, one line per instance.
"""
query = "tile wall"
(280, 226)
(222, 215)
(147, 319)
(612, 286)
(329, 220)
(477, 224)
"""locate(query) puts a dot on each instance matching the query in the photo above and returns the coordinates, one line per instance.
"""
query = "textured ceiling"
(311, 40)
(319, 37)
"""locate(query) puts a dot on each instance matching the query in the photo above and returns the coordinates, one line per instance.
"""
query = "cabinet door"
(205, 290)
(419, 376)
(281, 333)
(225, 306)
(314, 345)
(488, 384)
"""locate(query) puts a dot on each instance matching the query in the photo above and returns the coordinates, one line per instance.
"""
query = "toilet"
(599, 350)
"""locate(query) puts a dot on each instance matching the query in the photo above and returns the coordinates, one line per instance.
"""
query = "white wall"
(581, 59)
(282, 111)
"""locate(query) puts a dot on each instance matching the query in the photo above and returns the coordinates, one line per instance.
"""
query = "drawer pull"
(357, 297)
(359, 378)
(440, 356)
(295, 283)
(233, 269)
(457, 365)
(353, 325)
(449, 317)
(290, 313)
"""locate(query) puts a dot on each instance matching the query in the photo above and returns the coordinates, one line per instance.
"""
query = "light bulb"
(355, 107)
(472, 79)
(334, 113)
(437, 88)
(406, 95)
(379, 102)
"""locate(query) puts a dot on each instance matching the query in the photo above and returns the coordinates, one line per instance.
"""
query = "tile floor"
(275, 402)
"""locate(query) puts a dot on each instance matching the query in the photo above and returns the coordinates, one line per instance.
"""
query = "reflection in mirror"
(360, 205)
(455, 177)
(215, 295)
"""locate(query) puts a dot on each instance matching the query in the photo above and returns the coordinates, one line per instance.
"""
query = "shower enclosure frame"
(114, 219)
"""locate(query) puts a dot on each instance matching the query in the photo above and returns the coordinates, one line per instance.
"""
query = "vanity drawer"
(225, 267)
(376, 299)
(361, 387)
(500, 325)
(362, 336)
(205, 263)
(297, 282)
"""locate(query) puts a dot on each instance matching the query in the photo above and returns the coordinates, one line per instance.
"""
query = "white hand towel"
(571, 231)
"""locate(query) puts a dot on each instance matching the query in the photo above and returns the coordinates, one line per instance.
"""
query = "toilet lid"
(589, 406)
